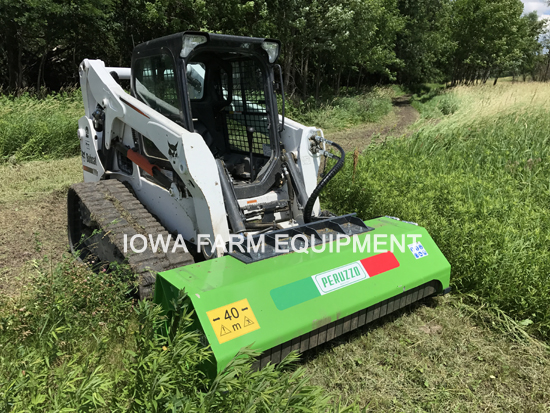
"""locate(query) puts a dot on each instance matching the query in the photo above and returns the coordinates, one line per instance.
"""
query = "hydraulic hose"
(231, 204)
(315, 194)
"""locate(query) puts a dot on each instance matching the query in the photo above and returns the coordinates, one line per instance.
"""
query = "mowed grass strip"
(479, 181)
(34, 180)
(435, 356)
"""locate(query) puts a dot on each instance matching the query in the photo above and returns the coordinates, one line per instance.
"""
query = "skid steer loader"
(195, 179)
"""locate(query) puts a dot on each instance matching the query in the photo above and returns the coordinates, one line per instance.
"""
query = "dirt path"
(29, 233)
(395, 123)
(33, 217)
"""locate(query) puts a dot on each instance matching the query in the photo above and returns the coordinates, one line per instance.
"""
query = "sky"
(540, 6)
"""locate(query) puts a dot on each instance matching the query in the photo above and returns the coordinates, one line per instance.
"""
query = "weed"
(76, 341)
(32, 128)
(345, 111)
(45, 128)
(478, 181)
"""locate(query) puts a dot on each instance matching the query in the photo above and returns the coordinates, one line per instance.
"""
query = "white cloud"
(540, 6)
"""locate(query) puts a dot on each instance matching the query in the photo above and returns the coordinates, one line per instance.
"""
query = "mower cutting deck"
(299, 300)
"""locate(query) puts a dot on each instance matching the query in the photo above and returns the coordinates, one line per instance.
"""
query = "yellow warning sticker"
(233, 320)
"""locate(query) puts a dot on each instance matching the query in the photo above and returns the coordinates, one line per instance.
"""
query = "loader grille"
(345, 325)
(248, 107)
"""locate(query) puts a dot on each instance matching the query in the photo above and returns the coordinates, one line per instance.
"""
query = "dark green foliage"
(487, 34)
(481, 189)
(326, 44)
(424, 45)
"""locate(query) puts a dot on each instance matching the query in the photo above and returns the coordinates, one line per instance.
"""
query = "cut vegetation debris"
(436, 357)
(33, 216)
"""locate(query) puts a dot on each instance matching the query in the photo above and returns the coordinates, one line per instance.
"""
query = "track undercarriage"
(103, 216)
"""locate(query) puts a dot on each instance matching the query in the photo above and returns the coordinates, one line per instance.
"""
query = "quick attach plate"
(322, 231)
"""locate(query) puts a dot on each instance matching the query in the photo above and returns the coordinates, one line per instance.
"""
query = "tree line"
(327, 44)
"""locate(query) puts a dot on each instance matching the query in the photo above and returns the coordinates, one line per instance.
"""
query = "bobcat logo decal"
(173, 150)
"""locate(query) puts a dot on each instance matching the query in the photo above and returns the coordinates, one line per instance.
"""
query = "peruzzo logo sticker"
(418, 250)
(340, 277)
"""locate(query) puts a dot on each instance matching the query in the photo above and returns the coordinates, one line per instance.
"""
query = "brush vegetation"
(32, 128)
(345, 111)
(76, 341)
(475, 176)
(478, 181)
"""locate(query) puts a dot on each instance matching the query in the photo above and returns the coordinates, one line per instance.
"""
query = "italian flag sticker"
(306, 289)
(332, 280)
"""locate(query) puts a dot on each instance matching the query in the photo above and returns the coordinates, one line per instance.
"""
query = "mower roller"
(198, 155)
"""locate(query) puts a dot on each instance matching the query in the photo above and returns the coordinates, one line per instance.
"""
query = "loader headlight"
(272, 50)
(190, 41)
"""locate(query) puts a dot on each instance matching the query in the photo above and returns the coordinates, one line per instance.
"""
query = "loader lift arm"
(124, 113)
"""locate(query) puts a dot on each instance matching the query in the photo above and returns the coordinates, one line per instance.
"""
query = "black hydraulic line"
(231, 204)
(311, 201)
(290, 190)
(296, 180)
(260, 225)
(250, 135)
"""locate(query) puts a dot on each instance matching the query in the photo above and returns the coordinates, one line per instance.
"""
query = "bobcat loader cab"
(220, 87)
(198, 151)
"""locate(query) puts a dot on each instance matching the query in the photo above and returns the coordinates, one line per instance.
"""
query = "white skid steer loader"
(198, 155)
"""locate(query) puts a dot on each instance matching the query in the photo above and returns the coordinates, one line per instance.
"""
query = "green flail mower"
(299, 300)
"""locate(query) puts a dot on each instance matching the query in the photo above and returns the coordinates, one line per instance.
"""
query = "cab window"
(195, 80)
(156, 85)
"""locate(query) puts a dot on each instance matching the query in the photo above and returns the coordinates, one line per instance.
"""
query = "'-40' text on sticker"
(233, 320)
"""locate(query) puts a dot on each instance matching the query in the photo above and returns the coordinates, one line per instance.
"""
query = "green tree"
(486, 37)
(35, 33)
(424, 44)
(530, 32)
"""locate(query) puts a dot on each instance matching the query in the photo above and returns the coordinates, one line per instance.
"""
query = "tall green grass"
(436, 106)
(77, 342)
(479, 181)
(32, 128)
(344, 111)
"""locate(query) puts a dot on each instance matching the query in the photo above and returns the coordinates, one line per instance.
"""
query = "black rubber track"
(115, 211)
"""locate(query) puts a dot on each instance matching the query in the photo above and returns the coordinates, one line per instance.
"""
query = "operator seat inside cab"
(209, 98)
